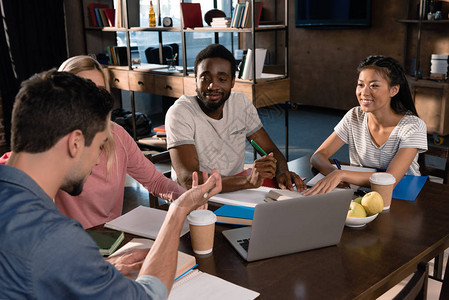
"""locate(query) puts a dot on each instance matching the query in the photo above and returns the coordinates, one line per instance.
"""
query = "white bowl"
(359, 222)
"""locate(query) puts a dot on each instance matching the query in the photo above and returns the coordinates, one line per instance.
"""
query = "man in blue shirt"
(59, 127)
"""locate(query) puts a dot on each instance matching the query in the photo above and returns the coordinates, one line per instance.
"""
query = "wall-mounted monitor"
(333, 14)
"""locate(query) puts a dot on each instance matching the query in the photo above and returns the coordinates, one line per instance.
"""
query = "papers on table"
(320, 176)
(142, 221)
(249, 197)
(200, 285)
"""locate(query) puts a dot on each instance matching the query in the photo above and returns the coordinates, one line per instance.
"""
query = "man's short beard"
(74, 188)
(211, 107)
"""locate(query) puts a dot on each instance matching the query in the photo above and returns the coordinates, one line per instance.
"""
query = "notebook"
(294, 225)
(142, 221)
(185, 262)
(201, 285)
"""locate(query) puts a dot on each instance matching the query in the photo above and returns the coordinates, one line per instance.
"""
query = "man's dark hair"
(216, 50)
(52, 104)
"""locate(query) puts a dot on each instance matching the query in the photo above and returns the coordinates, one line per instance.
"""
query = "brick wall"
(2, 125)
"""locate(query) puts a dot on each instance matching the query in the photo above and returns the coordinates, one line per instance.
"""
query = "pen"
(337, 164)
(257, 147)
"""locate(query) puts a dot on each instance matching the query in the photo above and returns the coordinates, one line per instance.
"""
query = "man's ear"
(233, 82)
(75, 142)
(394, 90)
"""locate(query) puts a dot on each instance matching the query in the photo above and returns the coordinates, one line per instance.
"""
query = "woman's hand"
(328, 183)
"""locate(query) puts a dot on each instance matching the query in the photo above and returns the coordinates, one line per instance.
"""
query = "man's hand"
(129, 262)
(198, 195)
(285, 181)
(264, 167)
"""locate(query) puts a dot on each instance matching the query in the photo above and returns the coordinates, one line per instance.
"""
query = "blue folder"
(409, 187)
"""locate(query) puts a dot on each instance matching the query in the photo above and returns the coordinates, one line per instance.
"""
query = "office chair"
(444, 294)
(168, 51)
(442, 152)
(416, 288)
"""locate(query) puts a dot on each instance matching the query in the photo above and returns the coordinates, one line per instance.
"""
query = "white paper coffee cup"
(202, 230)
(383, 183)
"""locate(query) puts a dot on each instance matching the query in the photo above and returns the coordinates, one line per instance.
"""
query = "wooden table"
(366, 263)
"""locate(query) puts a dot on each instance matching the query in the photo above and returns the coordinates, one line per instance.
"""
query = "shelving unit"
(425, 38)
(269, 90)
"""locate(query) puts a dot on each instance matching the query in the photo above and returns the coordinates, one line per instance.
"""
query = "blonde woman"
(102, 196)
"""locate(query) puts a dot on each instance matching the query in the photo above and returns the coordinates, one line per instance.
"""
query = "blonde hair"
(82, 63)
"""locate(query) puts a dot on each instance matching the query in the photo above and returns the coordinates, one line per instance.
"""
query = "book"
(259, 60)
(186, 262)
(104, 20)
(110, 16)
(120, 55)
(142, 221)
(240, 14)
(159, 128)
(248, 197)
(107, 240)
(234, 15)
(279, 195)
(258, 11)
(236, 18)
(98, 17)
(201, 285)
(245, 15)
(234, 214)
(191, 15)
(93, 17)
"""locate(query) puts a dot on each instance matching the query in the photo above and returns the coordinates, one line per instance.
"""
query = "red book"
(92, 7)
(258, 11)
(191, 15)
(110, 16)
(271, 183)
(159, 128)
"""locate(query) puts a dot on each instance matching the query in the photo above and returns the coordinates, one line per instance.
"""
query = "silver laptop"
(293, 225)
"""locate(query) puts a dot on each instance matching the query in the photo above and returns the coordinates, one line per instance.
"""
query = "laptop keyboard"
(244, 243)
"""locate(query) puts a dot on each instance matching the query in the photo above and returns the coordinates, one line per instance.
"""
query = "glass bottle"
(152, 15)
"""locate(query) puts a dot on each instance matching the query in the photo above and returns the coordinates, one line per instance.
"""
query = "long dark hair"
(392, 70)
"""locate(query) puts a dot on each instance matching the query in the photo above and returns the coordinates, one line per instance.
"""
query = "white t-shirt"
(220, 143)
(411, 132)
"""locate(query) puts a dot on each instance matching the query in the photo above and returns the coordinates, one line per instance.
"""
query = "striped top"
(411, 132)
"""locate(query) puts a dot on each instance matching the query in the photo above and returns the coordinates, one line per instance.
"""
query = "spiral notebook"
(199, 285)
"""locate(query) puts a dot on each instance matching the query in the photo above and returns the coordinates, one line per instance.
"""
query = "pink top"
(102, 197)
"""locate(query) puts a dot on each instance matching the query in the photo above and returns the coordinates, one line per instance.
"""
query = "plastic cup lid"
(382, 178)
(201, 217)
(440, 56)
